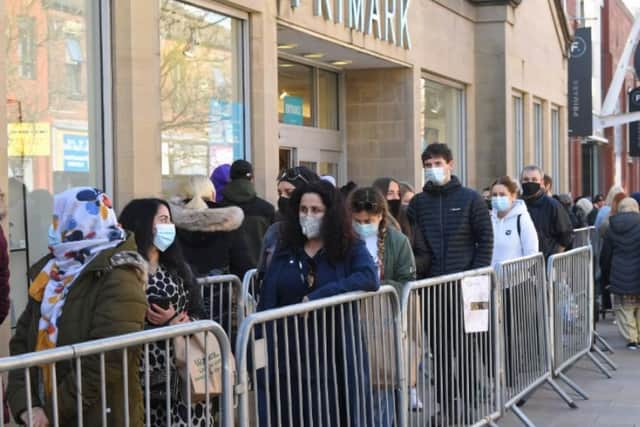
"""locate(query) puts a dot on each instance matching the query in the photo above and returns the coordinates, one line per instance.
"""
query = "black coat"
(210, 239)
(258, 215)
(452, 229)
(620, 256)
(552, 224)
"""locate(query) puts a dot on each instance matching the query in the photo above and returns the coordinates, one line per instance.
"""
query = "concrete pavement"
(613, 402)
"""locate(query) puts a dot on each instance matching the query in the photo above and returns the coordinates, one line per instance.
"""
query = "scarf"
(84, 224)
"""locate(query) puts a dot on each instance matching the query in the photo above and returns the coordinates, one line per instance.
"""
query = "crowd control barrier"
(224, 301)
(571, 296)
(526, 333)
(328, 362)
(251, 291)
(452, 348)
(583, 236)
(82, 374)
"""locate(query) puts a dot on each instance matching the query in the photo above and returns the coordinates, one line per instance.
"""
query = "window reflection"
(295, 88)
(201, 90)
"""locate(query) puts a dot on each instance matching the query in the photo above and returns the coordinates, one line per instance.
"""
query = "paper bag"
(195, 365)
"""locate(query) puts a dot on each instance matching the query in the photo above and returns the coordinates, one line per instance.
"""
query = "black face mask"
(488, 202)
(394, 207)
(283, 205)
(530, 189)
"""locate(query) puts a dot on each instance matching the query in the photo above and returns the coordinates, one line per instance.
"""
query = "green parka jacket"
(399, 263)
(107, 299)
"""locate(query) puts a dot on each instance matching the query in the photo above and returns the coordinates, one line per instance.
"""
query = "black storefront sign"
(634, 127)
(580, 97)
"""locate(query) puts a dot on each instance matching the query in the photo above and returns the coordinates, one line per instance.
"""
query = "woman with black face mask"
(288, 181)
(390, 189)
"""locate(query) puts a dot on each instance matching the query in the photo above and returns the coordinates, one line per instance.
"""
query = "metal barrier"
(458, 317)
(583, 236)
(251, 291)
(571, 297)
(525, 334)
(224, 301)
(90, 370)
(333, 361)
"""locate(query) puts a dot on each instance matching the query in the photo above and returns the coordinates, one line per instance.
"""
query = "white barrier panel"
(85, 377)
(329, 362)
(571, 299)
(452, 348)
(224, 301)
(526, 333)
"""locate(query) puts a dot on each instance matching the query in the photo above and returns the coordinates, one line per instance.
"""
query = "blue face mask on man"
(500, 203)
(165, 236)
(365, 230)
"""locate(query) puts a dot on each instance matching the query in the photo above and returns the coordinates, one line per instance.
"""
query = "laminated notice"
(476, 293)
(260, 353)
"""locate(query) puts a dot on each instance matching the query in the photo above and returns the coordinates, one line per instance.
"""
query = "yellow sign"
(29, 139)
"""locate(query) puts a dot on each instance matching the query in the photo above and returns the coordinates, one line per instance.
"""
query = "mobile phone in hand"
(162, 302)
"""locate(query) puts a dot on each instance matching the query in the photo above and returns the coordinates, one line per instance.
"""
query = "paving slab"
(612, 402)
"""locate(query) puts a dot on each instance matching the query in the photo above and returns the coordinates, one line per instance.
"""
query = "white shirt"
(372, 247)
(507, 243)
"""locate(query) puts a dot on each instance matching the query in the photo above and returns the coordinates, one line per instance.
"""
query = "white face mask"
(437, 176)
(311, 226)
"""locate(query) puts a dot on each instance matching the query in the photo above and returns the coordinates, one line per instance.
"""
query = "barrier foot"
(604, 357)
(599, 364)
(563, 394)
(521, 415)
(604, 342)
(574, 386)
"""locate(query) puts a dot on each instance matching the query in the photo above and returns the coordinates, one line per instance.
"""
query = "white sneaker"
(416, 403)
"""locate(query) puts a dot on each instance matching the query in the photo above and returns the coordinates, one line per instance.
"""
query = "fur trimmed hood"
(205, 220)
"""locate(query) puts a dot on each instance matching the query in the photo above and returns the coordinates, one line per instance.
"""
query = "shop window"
(538, 133)
(518, 134)
(308, 96)
(26, 45)
(202, 91)
(443, 120)
(53, 144)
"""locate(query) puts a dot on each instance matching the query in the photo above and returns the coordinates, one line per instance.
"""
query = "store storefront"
(134, 96)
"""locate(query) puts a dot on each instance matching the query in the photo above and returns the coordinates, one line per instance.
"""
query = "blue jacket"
(620, 256)
(452, 229)
(317, 341)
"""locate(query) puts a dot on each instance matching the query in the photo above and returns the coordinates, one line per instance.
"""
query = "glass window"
(327, 100)
(295, 86)
(299, 92)
(443, 120)
(518, 134)
(54, 118)
(202, 91)
(555, 143)
(538, 134)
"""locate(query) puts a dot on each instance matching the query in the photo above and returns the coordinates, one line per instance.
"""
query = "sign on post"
(634, 127)
(580, 97)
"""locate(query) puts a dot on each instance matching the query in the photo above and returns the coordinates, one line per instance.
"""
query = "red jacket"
(4, 277)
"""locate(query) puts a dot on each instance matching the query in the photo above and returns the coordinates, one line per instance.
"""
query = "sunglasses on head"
(292, 174)
(365, 205)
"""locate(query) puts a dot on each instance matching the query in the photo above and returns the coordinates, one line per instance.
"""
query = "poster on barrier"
(476, 291)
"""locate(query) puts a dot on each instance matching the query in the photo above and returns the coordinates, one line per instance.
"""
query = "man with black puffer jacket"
(451, 223)
(452, 232)
(258, 213)
(555, 231)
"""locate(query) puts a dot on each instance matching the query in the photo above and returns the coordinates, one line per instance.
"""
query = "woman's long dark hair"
(137, 217)
(370, 200)
(336, 231)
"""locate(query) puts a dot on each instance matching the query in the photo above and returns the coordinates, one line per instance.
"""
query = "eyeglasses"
(292, 174)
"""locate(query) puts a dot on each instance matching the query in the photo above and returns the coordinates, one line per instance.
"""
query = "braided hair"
(370, 200)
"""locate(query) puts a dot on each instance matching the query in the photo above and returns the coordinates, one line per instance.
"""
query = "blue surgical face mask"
(500, 203)
(437, 176)
(365, 230)
(165, 236)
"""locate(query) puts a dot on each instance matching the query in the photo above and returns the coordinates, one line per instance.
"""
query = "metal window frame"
(555, 141)
(538, 131)
(107, 124)
(518, 130)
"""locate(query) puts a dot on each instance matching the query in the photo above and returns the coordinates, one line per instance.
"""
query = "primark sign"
(385, 20)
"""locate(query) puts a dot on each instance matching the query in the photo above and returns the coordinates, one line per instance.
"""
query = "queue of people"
(320, 242)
